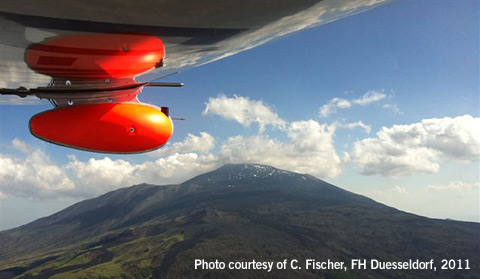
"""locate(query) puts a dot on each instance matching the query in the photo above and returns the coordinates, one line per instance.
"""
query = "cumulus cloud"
(101, 175)
(97, 176)
(203, 143)
(310, 149)
(33, 177)
(341, 103)
(244, 111)
(420, 147)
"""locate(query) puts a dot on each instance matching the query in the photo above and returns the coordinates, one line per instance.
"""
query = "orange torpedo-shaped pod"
(107, 127)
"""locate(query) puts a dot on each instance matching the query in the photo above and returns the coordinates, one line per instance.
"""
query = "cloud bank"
(309, 148)
(34, 177)
(306, 146)
(420, 147)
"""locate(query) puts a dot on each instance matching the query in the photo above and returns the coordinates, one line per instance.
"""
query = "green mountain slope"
(235, 213)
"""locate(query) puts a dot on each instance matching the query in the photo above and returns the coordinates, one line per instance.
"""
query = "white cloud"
(310, 149)
(21, 146)
(418, 148)
(455, 186)
(368, 98)
(244, 111)
(332, 106)
(34, 177)
(360, 124)
(340, 103)
(203, 143)
(97, 176)
(178, 167)
(101, 175)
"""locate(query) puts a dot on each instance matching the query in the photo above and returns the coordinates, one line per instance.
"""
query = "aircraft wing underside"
(193, 32)
(91, 59)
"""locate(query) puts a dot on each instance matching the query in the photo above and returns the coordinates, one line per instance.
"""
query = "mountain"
(235, 213)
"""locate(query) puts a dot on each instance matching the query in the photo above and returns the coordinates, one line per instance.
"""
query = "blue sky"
(406, 63)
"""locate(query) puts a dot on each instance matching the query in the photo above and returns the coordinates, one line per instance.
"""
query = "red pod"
(95, 56)
(109, 128)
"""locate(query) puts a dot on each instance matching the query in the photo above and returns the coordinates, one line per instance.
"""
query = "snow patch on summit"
(253, 172)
